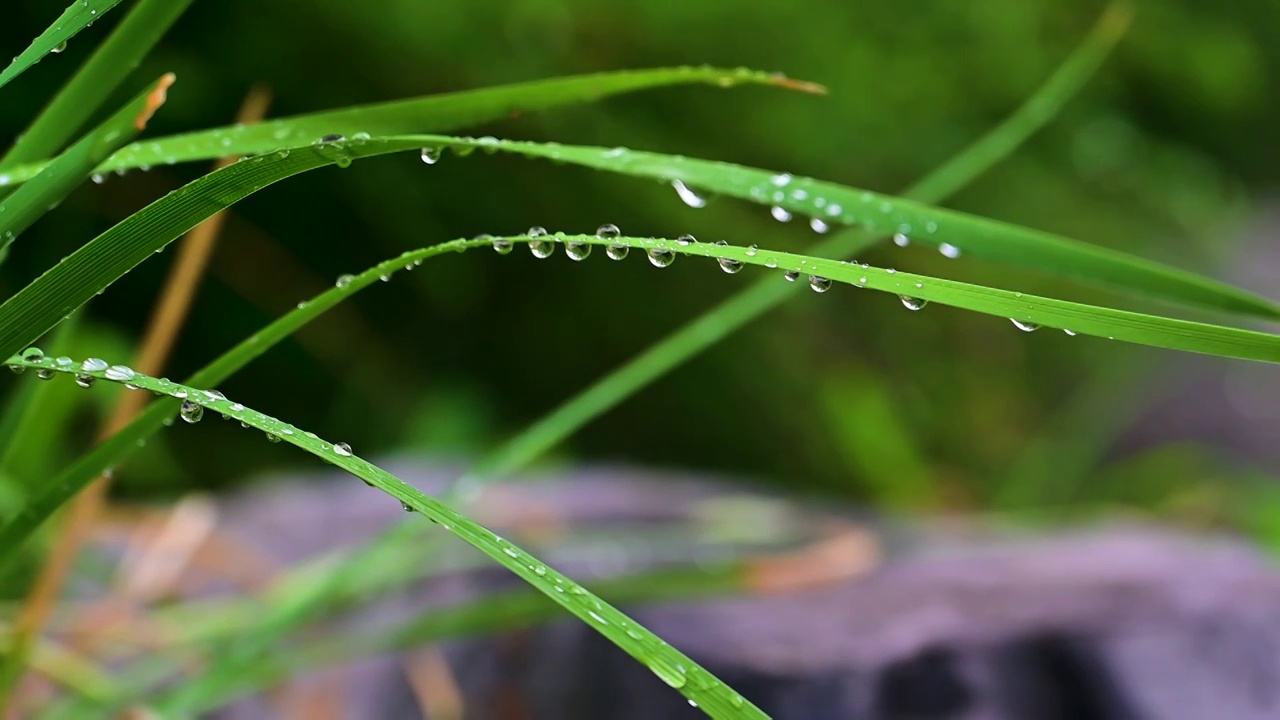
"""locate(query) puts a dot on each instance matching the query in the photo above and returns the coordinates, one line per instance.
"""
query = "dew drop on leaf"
(901, 240)
(344, 280)
(780, 213)
(85, 381)
(949, 250)
(1023, 325)
(818, 225)
(120, 373)
(577, 250)
(790, 275)
(191, 412)
(617, 252)
(430, 155)
(912, 303)
(608, 230)
(819, 284)
(658, 257)
(342, 449)
(686, 240)
(687, 196)
(93, 365)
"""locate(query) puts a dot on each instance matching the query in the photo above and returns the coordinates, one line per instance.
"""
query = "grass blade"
(431, 113)
(672, 666)
(78, 15)
(100, 75)
(60, 177)
(951, 231)
(717, 323)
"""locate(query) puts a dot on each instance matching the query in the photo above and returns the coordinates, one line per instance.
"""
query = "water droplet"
(608, 230)
(33, 354)
(85, 381)
(97, 178)
(596, 616)
(577, 250)
(63, 361)
(751, 251)
(692, 702)
(120, 373)
(17, 369)
(503, 247)
(542, 249)
(273, 438)
(781, 179)
(658, 257)
(736, 700)
(342, 450)
(912, 303)
(688, 196)
(1072, 333)
(790, 275)
(536, 231)
(430, 155)
(901, 240)
(540, 570)
(1023, 325)
(617, 252)
(730, 265)
(190, 412)
(45, 374)
(344, 280)
(780, 213)
(329, 138)
(686, 240)
(819, 284)
(403, 505)
(94, 365)
(949, 250)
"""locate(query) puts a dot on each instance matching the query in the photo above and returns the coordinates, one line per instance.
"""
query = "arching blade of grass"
(431, 113)
(951, 231)
(60, 177)
(669, 664)
(78, 15)
(1079, 318)
(100, 75)
(717, 323)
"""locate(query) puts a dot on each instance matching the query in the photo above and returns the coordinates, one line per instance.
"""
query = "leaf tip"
(155, 99)
(782, 81)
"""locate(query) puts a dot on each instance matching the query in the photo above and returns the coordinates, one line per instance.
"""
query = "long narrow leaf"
(953, 232)
(78, 15)
(59, 178)
(100, 75)
(431, 113)
(672, 666)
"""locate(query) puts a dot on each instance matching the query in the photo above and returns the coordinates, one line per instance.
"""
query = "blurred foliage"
(926, 410)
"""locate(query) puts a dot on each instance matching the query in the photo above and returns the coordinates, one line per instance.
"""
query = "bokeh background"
(1170, 153)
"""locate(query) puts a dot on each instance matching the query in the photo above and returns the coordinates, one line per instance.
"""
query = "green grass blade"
(669, 664)
(78, 15)
(720, 321)
(100, 75)
(949, 230)
(431, 113)
(59, 178)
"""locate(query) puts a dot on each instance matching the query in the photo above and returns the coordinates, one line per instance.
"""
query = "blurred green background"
(1165, 154)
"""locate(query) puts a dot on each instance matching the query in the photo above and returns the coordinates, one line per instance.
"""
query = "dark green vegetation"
(842, 392)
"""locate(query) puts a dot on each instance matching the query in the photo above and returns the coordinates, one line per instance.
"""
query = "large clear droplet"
(730, 265)
(342, 449)
(430, 155)
(912, 303)
(608, 230)
(686, 240)
(949, 250)
(1023, 325)
(120, 373)
(780, 213)
(901, 239)
(45, 374)
(503, 247)
(790, 275)
(819, 284)
(33, 354)
(59, 47)
(85, 381)
(344, 280)
(542, 249)
(687, 196)
(93, 365)
(191, 412)
(617, 252)
(273, 438)
(659, 257)
(577, 250)
(819, 225)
